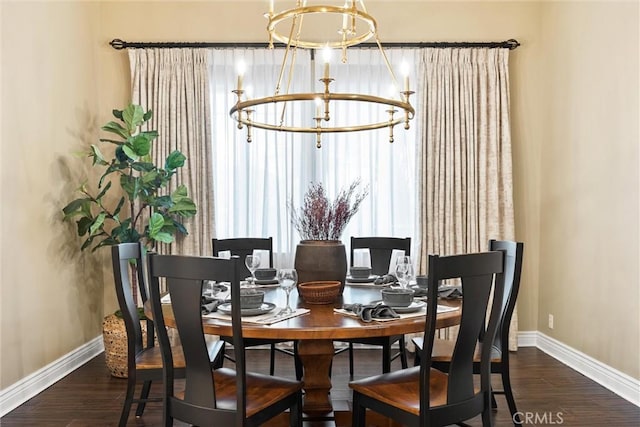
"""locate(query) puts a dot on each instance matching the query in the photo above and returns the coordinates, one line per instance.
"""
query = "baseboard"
(23, 390)
(618, 382)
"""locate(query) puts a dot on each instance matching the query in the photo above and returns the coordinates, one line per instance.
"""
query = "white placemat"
(263, 319)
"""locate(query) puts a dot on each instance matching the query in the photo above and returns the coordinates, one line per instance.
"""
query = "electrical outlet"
(551, 321)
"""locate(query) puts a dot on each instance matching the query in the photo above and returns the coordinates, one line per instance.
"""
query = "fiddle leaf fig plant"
(145, 210)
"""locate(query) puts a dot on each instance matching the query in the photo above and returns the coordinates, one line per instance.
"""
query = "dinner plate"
(264, 308)
(362, 279)
(267, 282)
(414, 306)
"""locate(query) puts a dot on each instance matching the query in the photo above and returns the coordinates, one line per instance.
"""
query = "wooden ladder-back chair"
(442, 349)
(380, 251)
(144, 361)
(422, 395)
(241, 247)
(220, 397)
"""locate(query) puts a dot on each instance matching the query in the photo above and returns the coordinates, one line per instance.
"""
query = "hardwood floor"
(546, 390)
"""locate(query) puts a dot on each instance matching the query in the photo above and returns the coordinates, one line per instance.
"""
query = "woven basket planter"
(114, 335)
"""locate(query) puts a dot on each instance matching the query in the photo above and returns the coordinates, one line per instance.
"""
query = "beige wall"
(572, 155)
(589, 186)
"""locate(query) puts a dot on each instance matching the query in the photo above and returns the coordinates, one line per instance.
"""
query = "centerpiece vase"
(321, 260)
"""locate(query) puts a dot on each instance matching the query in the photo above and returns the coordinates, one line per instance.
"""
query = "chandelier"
(349, 25)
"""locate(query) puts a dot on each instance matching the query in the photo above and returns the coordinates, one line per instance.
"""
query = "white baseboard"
(23, 390)
(618, 382)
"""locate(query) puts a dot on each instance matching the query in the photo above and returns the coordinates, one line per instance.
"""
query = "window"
(255, 183)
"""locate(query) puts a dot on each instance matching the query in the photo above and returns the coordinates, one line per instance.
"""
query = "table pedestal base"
(317, 381)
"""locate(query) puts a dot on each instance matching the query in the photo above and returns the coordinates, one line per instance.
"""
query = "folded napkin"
(369, 312)
(209, 305)
(385, 279)
(450, 292)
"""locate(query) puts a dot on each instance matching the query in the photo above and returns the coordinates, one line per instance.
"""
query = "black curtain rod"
(121, 44)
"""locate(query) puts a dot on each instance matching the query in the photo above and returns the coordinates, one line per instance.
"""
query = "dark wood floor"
(544, 387)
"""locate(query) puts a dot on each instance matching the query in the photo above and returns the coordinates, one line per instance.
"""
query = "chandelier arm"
(387, 63)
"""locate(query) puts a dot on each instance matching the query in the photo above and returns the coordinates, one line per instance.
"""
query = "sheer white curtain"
(254, 183)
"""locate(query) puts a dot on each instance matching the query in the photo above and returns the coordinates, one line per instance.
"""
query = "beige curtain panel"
(465, 186)
(174, 84)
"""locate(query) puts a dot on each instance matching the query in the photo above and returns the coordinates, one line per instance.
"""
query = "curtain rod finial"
(117, 44)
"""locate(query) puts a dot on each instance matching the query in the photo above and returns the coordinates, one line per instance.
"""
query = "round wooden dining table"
(316, 330)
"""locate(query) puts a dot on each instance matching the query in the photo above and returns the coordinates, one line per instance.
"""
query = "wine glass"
(404, 271)
(287, 278)
(252, 262)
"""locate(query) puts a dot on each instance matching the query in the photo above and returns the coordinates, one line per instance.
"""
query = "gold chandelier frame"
(243, 111)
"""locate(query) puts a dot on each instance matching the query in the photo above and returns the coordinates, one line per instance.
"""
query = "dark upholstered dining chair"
(241, 247)
(443, 349)
(144, 361)
(380, 251)
(219, 397)
(422, 395)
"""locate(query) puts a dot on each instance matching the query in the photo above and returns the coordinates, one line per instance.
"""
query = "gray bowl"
(265, 273)
(360, 272)
(395, 297)
(251, 298)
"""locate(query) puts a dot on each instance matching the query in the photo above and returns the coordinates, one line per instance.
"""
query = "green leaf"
(180, 227)
(156, 222)
(180, 193)
(149, 177)
(175, 160)
(120, 204)
(133, 117)
(185, 207)
(143, 166)
(116, 128)
(129, 185)
(87, 243)
(84, 224)
(104, 190)
(141, 144)
(162, 202)
(75, 207)
(148, 115)
(130, 152)
(97, 223)
(98, 158)
(117, 114)
(163, 237)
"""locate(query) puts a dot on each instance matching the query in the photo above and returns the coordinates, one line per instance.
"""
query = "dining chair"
(144, 361)
(380, 250)
(422, 395)
(212, 397)
(241, 247)
(443, 349)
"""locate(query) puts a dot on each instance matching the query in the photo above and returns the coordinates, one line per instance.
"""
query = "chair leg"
(494, 404)
(416, 359)
(508, 392)
(403, 353)
(351, 360)
(386, 357)
(128, 400)
(359, 412)
(297, 362)
(487, 413)
(295, 412)
(272, 362)
(144, 395)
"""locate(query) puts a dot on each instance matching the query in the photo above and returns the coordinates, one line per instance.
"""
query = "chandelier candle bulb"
(326, 53)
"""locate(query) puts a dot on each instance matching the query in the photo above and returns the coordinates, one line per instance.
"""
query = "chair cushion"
(401, 389)
(151, 358)
(262, 390)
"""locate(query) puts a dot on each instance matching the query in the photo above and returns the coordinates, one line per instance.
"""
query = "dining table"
(318, 327)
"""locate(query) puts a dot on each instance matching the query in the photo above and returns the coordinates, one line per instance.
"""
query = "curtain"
(174, 83)
(257, 183)
(465, 187)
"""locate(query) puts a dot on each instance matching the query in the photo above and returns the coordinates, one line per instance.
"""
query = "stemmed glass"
(404, 271)
(252, 262)
(287, 278)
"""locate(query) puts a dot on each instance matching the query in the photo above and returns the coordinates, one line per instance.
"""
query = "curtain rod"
(118, 44)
